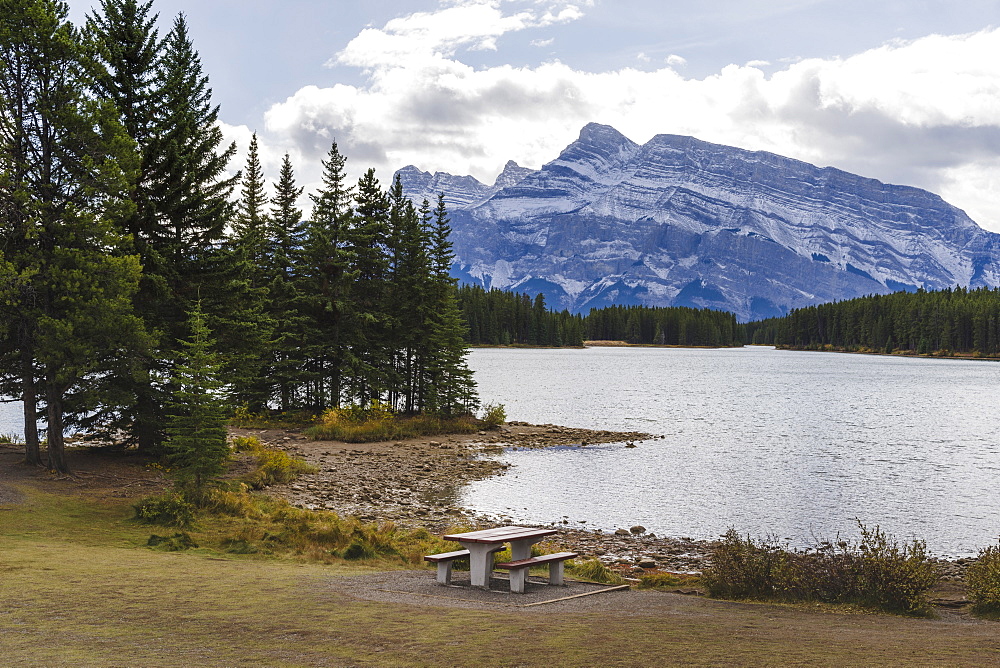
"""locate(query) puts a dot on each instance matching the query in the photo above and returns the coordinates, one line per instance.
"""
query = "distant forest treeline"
(956, 320)
(498, 317)
(942, 322)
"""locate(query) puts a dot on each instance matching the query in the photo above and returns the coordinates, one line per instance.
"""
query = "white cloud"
(974, 186)
(673, 60)
(543, 42)
(925, 112)
(426, 37)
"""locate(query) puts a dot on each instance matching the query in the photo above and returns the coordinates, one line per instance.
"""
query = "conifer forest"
(141, 281)
(942, 322)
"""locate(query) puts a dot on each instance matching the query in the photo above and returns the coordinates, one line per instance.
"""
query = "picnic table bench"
(519, 569)
(479, 547)
(444, 562)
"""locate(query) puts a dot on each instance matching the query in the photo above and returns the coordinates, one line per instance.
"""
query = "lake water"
(11, 419)
(792, 444)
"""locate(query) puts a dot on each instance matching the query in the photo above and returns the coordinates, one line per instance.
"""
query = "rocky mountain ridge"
(680, 221)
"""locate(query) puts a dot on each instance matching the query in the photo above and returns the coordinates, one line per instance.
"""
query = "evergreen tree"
(411, 285)
(20, 116)
(285, 240)
(126, 50)
(127, 53)
(250, 226)
(371, 353)
(188, 213)
(285, 231)
(66, 162)
(242, 318)
(326, 278)
(191, 188)
(451, 388)
(196, 428)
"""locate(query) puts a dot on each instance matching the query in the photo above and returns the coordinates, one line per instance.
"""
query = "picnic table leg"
(444, 572)
(521, 549)
(556, 573)
(480, 563)
(518, 578)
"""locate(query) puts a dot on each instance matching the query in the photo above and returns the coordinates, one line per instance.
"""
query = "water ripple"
(769, 442)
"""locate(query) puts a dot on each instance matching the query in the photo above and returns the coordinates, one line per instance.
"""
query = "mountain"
(679, 221)
(460, 192)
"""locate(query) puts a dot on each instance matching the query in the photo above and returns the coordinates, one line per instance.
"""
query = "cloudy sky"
(905, 91)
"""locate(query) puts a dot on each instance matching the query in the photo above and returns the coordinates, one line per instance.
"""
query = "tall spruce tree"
(250, 225)
(20, 119)
(285, 239)
(370, 373)
(191, 187)
(126, 50)
(242, 316)
(408, 295)
(451, 388)
(67, 162)
(126, 54)
(326, 279)
(190, 208)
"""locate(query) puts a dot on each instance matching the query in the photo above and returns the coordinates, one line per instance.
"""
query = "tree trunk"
(286, 395)
(56, 450)
(32, 453)
(146, 433)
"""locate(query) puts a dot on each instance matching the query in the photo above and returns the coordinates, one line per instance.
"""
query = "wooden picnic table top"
(500, 535)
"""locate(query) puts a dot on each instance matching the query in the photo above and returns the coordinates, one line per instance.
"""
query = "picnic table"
(482, 544)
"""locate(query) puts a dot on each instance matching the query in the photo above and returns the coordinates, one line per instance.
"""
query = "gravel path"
(420, 588)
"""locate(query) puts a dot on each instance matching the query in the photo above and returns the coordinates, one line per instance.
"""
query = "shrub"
(982, 581)
(892, 577)
(743, 568)
(876, 572)
(593, 570)
(358, 549)
(250, 444)
(176, 543)
(235, 502)
(494, 415)
(245, 418)
(668, 580)
(377, 423)
(355, 424)
(325, 536)
(170, 509)
(272, 466)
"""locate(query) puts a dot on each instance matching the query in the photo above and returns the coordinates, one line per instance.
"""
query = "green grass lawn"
(78, 587)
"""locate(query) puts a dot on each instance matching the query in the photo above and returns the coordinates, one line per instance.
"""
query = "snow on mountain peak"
(680, 221)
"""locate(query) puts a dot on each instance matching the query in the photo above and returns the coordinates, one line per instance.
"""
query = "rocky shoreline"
(415, 483)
